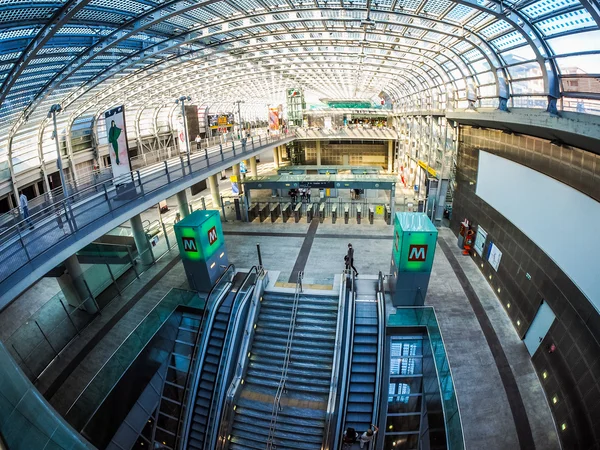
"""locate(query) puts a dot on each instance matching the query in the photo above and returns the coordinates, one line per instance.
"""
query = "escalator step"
(365, 358)
(366, 388)
(360, 405)
(368, 378)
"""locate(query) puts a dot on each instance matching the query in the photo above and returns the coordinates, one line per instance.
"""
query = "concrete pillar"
(253, 168)
(74, 287)
(318, 153)
(392, 203)
(184, 206)
(276, 157)
(213, 184)
(390, 156)
(238, 175)
(141, 241)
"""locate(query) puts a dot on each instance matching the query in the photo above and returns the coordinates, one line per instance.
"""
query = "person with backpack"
(350, 436)
(349, 260)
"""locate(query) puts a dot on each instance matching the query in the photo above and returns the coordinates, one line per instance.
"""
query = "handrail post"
(221, 150)
(166, 236)
(167, 172)
(140, 181)
(46, 338)
(233, 147)
(182, 166)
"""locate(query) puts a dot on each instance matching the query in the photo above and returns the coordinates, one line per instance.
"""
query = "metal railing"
(380, 355)
(285, 366)
(29, 238)
(226, 362)
(234, 390)
(336, 404)
(220, 289)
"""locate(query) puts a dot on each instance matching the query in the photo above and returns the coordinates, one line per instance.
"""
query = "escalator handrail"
(242, 364)
(380, 354)
(226, 360)
(209, 312)
(333, 421)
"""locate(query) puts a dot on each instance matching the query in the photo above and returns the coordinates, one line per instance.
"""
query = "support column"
(182, 201)
(318, 153)
(390, 156)
(238, 175)
(74, 287)
(253, 169)
(276, 157)
(141, 241)
(213, 184)
(392, 203)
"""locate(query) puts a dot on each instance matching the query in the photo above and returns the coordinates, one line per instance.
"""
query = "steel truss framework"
(89, 55)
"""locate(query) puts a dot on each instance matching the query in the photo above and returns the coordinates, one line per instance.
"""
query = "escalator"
(213, 369)
(172, 396)
(360, 394)
(308, 335)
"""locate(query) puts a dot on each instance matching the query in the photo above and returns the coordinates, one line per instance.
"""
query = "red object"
(552, 348)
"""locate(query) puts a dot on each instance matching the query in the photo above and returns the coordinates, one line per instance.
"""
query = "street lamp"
(182, 100)
(240, 116)
(54, 109)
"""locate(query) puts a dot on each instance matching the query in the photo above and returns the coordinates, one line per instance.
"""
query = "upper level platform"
(352, 132)
(60, 230)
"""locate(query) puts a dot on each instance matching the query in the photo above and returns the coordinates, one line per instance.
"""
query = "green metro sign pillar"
(412, 258)
(202, 248)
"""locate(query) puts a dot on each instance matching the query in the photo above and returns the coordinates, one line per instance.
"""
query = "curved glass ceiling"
(89, 55)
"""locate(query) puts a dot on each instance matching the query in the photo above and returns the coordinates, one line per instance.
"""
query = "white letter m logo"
(417, 253)
(189, 244)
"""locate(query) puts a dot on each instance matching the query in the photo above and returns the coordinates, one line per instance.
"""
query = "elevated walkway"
(62, 229)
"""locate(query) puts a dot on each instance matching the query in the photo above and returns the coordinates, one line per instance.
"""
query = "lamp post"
(240, 117)
(54, 109)
(182, 100)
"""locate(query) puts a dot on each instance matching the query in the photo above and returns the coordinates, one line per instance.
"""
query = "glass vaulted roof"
(89, 55)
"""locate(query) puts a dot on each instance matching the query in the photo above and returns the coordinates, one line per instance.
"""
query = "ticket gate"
(253, 212)
(322, 213)
(298, 212)
(371, 214)
(387, 214)
(286, 212)
(264, 212)
(275, 212)
(358, 213)
(346, 215)
(333, 213)
(309, 212)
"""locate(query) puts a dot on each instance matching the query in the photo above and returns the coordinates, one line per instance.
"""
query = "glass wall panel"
(579, 64)
(528, 86)
(526, 70)
(518, 55)
(579, 42)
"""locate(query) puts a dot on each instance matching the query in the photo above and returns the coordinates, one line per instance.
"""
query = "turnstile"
(286, 212)
(371, 214)
(275, 212)
(333, 213)
(358, 213)
(321, 212)
(298, 212)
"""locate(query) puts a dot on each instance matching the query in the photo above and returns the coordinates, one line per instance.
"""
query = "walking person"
(349, 260)
(25, 209)
(368, 436)
(198, 141)
(349, 438)
(308, 195)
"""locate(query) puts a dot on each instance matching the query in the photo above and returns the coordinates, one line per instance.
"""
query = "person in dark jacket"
(349, 260)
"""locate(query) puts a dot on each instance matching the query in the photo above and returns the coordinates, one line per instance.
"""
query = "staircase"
(301, 421)
(166, 417)
(363, 371)
(208, 377)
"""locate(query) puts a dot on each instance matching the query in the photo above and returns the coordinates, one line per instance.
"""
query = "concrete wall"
(573, 369)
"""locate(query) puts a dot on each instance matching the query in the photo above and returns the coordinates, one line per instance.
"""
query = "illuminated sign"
(189, 244)
(417, 253)
(212, 235)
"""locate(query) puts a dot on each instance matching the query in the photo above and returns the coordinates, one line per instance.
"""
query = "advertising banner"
(116, 133)
(273, 119)
(480, 240)
(494, 256)
(181, 133)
